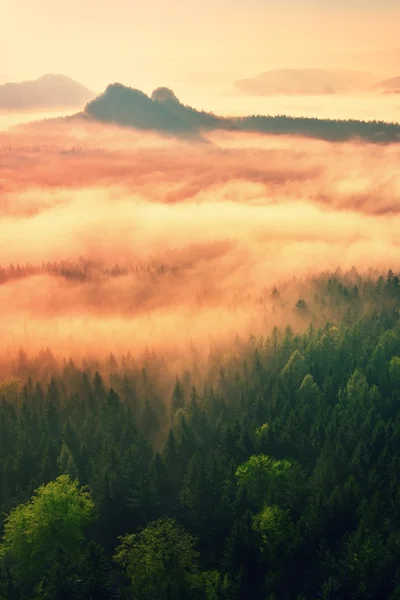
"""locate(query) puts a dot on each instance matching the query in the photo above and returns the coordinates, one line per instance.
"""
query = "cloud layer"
(200, 233)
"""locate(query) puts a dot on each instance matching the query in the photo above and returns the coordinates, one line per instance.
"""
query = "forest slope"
(275, 477)
(164, 113)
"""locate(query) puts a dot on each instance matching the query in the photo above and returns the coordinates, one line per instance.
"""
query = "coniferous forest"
(199, 300)
(272, 473)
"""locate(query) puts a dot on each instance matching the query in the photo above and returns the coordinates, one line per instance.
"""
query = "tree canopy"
(273, 473)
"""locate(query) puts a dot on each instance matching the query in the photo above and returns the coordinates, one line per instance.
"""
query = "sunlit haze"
(245, 210)
(199, 299)
(201, 44)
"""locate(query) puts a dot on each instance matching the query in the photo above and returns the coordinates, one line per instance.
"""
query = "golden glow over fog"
(8, 120)
(223, 221)
(150, 43)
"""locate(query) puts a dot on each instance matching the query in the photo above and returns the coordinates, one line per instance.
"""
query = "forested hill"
(275, 478)
(333, 130)
(164, 113)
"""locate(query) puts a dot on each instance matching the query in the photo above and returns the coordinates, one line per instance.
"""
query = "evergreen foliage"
(275, 475)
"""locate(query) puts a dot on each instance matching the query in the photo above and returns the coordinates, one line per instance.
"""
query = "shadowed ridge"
(164, 94)
(195, 118)
(133, 108)
(333, 130)
(165, 114)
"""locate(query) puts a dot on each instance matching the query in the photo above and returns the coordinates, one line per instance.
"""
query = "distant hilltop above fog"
(46, 93)
(391, 85)
(307, 81)
(164, 113)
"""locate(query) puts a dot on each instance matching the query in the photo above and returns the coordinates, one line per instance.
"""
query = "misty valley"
(199, 349)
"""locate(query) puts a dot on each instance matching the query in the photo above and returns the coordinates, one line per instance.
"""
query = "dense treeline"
(329, 297)
(274, 475)
(82, 270)
(334, 130)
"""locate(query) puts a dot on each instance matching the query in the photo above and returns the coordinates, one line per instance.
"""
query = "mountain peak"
(51, 91)
(164, 94)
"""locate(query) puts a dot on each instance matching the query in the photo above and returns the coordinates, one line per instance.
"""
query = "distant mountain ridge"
(50, 91)
(164, 113)
(306, 81)
(389, 85)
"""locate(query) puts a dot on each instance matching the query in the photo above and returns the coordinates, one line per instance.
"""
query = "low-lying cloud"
(200, 234)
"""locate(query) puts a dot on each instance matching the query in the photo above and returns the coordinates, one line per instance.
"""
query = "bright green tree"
(160, 561)
(263, 477)
(66, 462)
(277, 533)
(46, 535)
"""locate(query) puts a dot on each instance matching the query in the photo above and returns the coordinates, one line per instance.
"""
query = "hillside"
(164, 113)
(48, 92)
(306, 81)
(166, 98)
(131, 107)
(275, 476)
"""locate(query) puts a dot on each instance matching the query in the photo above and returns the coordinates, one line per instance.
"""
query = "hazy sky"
(143, 42)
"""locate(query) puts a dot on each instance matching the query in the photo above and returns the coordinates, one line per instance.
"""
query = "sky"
(158, 41)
